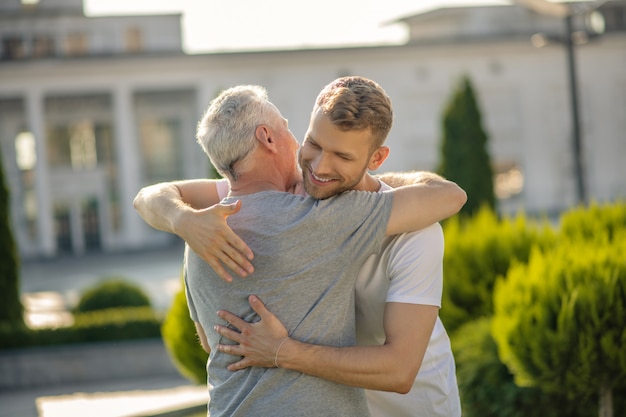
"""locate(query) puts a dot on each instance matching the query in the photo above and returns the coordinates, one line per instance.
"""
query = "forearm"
(370, 367)
(399, 179)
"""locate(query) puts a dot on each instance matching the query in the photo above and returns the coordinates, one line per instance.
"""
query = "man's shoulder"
(430, 237)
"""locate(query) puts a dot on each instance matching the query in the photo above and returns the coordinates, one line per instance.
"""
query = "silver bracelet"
(277, 350)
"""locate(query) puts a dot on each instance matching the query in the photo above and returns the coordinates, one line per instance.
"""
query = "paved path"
(125, 398)
(52, 283)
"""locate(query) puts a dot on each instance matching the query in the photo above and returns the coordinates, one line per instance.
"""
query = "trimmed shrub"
(112, 292)
(560, 321)
(111, 310)
(598, 222)
(181, 341)
(487, 387)
(477, 251)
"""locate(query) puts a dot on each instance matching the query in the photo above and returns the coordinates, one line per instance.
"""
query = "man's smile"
(319, 180)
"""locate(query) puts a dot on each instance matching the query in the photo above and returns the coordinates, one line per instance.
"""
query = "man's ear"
(264, 137)
(377, 158)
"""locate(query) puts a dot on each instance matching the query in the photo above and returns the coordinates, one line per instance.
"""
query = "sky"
(232, 25)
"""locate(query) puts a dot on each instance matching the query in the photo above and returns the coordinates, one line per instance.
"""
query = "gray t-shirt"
(307, 256)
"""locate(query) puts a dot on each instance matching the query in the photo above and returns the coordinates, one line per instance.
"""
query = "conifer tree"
(464, 152)
(10, 305)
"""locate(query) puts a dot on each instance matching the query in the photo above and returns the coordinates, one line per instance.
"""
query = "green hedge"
(112, 309)
(105, 325)
(478, 250)
(487, 387)
(560, 320)
(485, 252)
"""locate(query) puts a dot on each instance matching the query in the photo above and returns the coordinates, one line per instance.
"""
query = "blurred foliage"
(464, 155)
(112, 324)
(560, 324)
(11, 308)
(487, 387)
(598, 222)
(112, 292)
(478, 250)
(560, 320)
(181, 341)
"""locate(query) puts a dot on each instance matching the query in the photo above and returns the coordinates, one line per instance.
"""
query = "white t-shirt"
(409, 270)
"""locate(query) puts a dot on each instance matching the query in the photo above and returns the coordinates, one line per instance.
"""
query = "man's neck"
(243, 187)
(368, 183)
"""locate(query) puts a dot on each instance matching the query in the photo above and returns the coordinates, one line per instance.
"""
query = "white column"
(45, 219)
(129, 165)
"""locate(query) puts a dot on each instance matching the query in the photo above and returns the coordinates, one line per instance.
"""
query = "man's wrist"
(179, 218)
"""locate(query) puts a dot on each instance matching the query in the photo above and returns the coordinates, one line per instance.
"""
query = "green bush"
(97, 326)
(560, 320)
(10, 306)
(181, 341)
(598, 222)
(112, 292)
(487, 387)
(481, 251)
(477, 251)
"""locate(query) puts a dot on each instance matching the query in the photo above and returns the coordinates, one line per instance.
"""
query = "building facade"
(92, 109)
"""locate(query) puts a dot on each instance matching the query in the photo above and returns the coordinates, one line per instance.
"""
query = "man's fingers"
(232, 319)
(229, 334)
(233, 255)
(242, 364)
(219, 269)
(232, 264)
(240, 247)
(258, 306)
(227, 209)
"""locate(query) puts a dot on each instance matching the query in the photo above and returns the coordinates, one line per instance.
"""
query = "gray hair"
(227, 130)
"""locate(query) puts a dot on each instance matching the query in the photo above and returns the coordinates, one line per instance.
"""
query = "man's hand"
(207, 234)
(258, 342)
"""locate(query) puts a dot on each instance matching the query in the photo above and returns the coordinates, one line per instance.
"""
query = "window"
(76, 44)
(134, 40)
(161, 150)
(43, 46)
(13, 48)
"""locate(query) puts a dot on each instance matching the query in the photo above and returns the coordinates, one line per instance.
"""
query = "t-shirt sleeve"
(364, 217)
(415, 267)
(223, 188)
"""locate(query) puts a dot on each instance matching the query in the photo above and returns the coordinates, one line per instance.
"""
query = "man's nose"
(321, 164)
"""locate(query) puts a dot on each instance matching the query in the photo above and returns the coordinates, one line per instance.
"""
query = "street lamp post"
(567, 12)
(581, 189)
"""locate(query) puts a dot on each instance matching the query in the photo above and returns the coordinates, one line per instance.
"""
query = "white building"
(92, 109)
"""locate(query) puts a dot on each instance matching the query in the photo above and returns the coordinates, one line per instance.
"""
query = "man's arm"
(181, 208)
(414, 269)
(390, 367)
(424, 203)
(400, 179)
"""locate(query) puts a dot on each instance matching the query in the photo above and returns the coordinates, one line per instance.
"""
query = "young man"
(334, 158)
